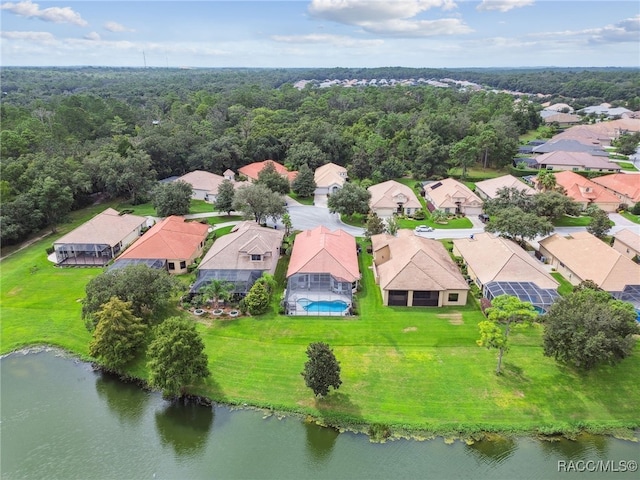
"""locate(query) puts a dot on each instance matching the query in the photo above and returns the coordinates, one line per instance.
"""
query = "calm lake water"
(62, 420)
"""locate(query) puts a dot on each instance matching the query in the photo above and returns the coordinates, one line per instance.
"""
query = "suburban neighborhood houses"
(452, 196)
(392, 198)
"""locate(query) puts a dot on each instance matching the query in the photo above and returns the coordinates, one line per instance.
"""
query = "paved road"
(306, 217)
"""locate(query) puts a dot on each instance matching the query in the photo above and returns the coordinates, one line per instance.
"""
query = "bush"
(50, 250)
(636, 209)
(257, 299)
(419, 215)
(484, 304)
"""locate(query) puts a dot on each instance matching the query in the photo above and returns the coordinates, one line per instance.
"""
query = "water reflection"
(320, 441)
(185, 425)
(126, 400)
(493, 450)
(584, 446)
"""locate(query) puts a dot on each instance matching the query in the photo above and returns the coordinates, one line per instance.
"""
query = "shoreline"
(377, 433)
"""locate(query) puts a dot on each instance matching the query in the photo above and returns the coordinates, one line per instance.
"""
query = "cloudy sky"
(321, 33)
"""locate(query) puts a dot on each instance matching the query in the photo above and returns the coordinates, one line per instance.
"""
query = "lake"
(60, 419)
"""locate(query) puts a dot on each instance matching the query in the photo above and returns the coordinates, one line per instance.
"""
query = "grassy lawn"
(302, 200)
(414, 369)
(355, 220)
(566, 287)
(224, 219)
(463, 222)
(631, 216)
(628, 166)
(476, 173)
(566, 221)
(146, 209)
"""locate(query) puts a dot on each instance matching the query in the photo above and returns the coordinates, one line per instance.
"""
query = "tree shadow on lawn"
(337, 409)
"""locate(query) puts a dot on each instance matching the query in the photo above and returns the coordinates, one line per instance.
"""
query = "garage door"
(425, 298)
(398, 298)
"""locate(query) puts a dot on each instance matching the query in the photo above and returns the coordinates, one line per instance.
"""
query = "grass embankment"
(630, 216)
(565, 287)
(413, 369)
(302, 200)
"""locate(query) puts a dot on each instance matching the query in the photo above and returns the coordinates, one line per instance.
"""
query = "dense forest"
(69, 133)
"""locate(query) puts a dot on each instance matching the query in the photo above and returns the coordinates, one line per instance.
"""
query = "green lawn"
(628, 166)
(631, 216)
(566, 287)
(477, 173)
(566, 221)
(414, 369)
(223, 219)
(146, 209)
(302, 200)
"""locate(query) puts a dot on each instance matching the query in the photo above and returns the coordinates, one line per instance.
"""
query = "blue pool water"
(325, 306)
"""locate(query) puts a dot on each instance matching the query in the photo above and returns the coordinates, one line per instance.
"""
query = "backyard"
(414, 369)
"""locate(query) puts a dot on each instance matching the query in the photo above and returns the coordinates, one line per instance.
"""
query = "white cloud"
(35, 37)
(117, 27)
(326, 39)
(503, 5)
(51, 14)
(395, 18)
(626, 30)
(93, 36)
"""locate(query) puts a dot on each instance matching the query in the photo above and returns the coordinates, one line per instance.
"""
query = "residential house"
(500, 266)
(604, 109)
(585, 192)
(624, 186)
(393, 198)
(575, 161)
(627, 242)
(488, 189)
(562, 119)
(205, 184)
(98, 241)
(252, 170)
(329, 178)
(601, 133)
(581, 256)
(413, 271)
(323, 273)
(569, 145)
(240, 257)
(173, 244)
(452, 197)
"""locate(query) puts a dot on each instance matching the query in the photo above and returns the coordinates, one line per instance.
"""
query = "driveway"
(307, 217)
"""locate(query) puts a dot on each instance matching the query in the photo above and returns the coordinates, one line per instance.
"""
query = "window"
(172, 266)
(183, 265)
(562, 264)
(256, 258)
(453, 297)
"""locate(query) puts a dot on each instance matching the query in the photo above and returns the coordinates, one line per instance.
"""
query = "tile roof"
(490, 187)
(324, 251)
(386, 194)
(583, 190)
(231, 251)
(570, 145)
(201, 180)
(612, 271)
(576, 159)
(621, 183)
(444, 191)
(496, 259)
(628, 237)
(330, 174)
(106, 228)
(252, 170)
(172, 238)
(416, 263)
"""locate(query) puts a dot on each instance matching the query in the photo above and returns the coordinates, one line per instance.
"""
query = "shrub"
(419, 215)
(257, 299)
(484, 304)
(636, 209)
(50, 250)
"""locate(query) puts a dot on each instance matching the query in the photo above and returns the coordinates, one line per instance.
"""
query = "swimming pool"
(324, 306)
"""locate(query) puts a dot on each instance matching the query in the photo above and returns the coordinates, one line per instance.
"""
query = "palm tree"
(217, 290)
(438, 216)
(547, 181)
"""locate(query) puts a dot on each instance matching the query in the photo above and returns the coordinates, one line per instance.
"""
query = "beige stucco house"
(329, 178)
(488, 189)
(453, 197)
(627, 242)
(205, 184)
(414, 271)
(393, 198)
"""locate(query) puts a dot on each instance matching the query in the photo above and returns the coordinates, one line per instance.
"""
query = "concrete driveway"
(307, 217)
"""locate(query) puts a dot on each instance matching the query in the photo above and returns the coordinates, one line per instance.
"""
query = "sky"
(321, 33)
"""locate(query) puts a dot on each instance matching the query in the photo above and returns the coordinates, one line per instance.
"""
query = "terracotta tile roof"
(107, 228)
(330, 174)
(624, 184)
(387, 195)
(252, 170)
(583, 190)
(496, 259)
(576, 159)
(416, 263)
(490, 187)
(172, 238)
(324, 251)
(232, 251)
(592, 259)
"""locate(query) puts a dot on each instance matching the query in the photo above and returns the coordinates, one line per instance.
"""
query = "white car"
(423, 228)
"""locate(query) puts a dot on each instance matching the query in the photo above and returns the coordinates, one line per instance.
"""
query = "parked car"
(423, 228)
(484, 218)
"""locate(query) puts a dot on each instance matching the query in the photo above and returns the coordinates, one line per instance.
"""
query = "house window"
(183, 265)
(453, 297)
(172, 266)
(562, 264)
(575, 169)
(256, 258)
